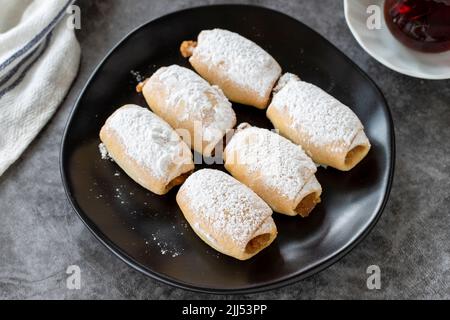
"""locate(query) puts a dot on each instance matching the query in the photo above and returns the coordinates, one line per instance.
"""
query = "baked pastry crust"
(190, 104)
(243, 70)
(226, 214)
(147, 149)
(276, 169)
(329, 132)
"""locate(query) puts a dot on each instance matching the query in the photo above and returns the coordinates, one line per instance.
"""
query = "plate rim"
(250, 289)
(357, 35)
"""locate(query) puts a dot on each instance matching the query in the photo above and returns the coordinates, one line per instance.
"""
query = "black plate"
(149, 232)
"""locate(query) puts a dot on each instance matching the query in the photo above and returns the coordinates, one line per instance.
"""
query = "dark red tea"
(422, 25)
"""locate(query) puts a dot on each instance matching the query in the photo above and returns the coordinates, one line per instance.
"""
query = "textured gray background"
(40, 234)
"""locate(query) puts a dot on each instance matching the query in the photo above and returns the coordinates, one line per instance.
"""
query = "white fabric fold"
(39, 59)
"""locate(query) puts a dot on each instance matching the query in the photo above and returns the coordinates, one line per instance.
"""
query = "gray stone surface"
(40, 235)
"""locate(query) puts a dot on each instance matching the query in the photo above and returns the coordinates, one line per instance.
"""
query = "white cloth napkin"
(39, 59)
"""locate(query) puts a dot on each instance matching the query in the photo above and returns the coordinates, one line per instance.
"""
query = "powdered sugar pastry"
(243, 61)
(277, 162)
(317, 114)
(150, 141)
(200, 101)
(226, 205)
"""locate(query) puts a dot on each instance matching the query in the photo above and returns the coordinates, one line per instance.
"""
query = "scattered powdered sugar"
(318, 115)
(284, 80)
(165, 248)
(104, 152)
(272, 160)
(243, 61)
(137, 76)
(200, 101)
(150, 141)
(225, 205)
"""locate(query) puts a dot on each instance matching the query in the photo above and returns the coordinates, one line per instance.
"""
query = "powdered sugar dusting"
(284, 80)
(165, 247)
(226, 205)
(272, 160)
(150, 141)
(200, 101)
(104, 152)
(317, 114)
(243, 61)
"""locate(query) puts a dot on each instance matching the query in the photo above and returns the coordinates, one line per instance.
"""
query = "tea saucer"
(382, 45)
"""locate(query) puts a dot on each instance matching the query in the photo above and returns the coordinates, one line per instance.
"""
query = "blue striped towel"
(39, 59)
